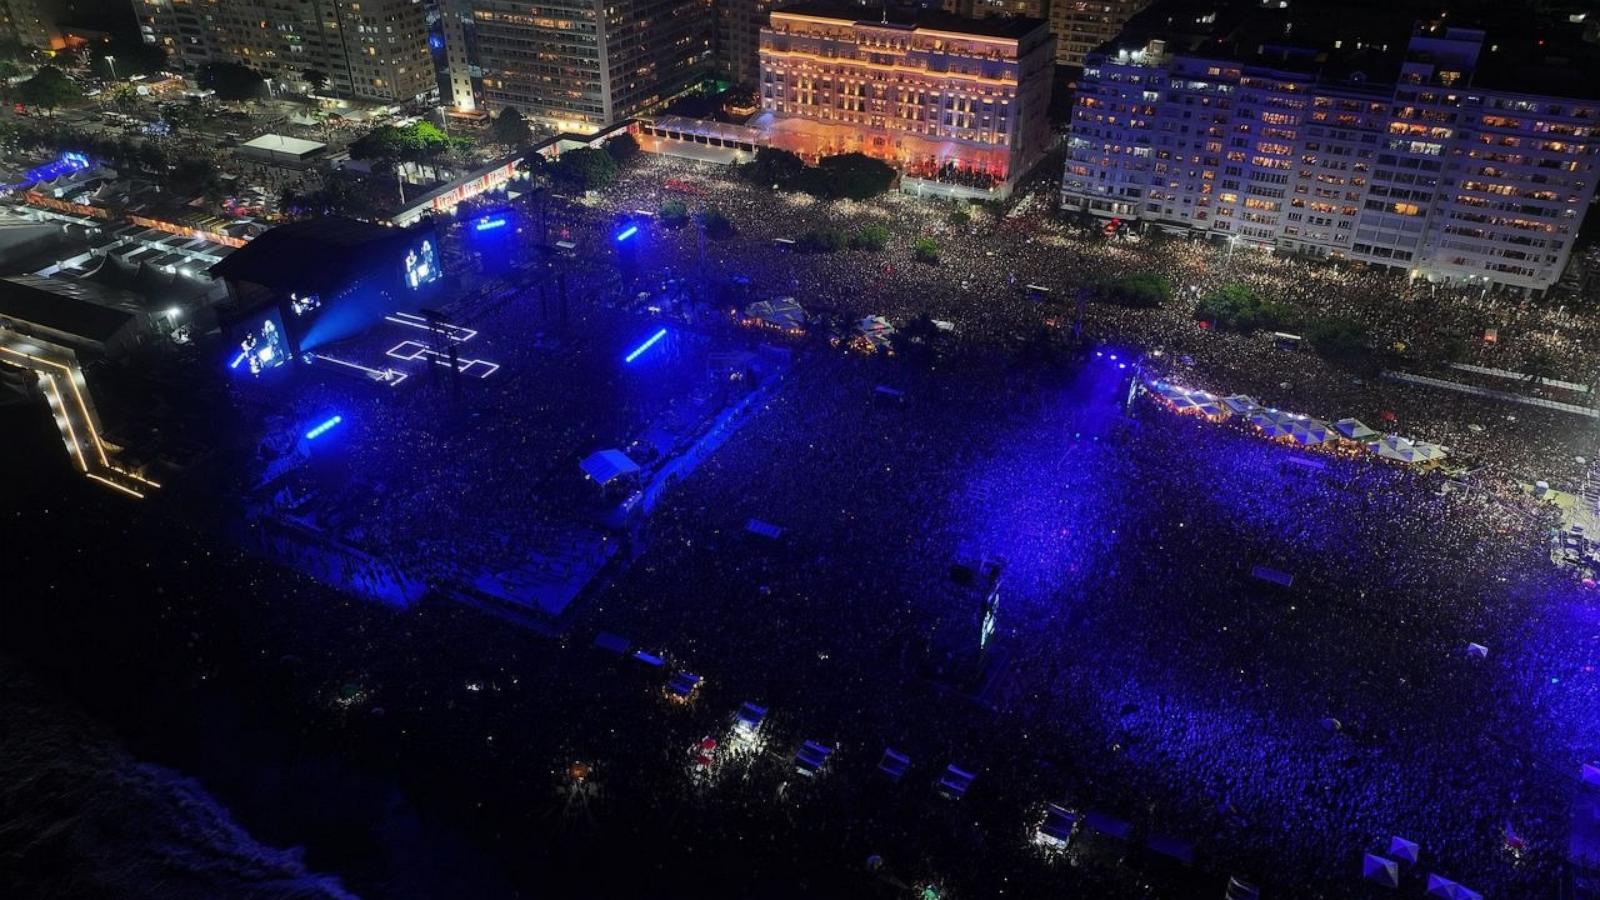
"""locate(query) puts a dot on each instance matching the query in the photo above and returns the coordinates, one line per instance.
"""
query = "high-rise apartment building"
(942, 97)
(738, 39)
(1079, 25)
(1427, 172)
(187, 30)
(31, 23)
(983, 9)
(369, 49)
(575, 65)
(1082, 25)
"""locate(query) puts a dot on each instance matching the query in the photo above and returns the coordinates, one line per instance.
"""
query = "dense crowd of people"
(981, 284)
(1139, 669)
(1284, 731)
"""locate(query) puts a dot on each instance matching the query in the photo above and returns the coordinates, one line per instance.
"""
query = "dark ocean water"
(80, 817)
(137, 758)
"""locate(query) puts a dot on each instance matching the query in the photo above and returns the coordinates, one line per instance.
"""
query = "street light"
(111, 62)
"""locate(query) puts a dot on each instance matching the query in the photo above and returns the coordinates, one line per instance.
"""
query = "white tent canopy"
(607, 466)
(1380, 870)
(875, 325)
(1440, 886)
(1309, 432)
(784, 312)
(1241, 403)
(1406, 450)
(1404, 850)
(1354, 429)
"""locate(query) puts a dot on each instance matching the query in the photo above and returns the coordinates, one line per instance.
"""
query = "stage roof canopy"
(608, 465)
(308, 255)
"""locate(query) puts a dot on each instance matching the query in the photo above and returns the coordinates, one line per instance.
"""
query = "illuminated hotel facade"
(945, 99)
(574, 65)
(369, 49)
(1428, 174)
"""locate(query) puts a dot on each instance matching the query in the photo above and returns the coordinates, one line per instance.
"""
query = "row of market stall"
(1294, 428)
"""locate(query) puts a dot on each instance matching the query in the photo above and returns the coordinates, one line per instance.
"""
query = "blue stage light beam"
(626, 233)
(490, 223)
(645, 346)
(237, 360)
(323, 427)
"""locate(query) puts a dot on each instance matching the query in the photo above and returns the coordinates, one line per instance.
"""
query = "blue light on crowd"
(65, 164)
(323, 427)
(628, 232)
(490, 223)
(645, 346)
(237, 360)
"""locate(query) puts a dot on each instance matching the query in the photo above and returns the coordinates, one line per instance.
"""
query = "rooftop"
(915, 19)
(280, 143)
(1365, 40)
(300, 254)
(79, 308)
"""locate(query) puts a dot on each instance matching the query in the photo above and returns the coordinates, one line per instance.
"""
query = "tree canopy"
(510, 128)
(232, 81)
(421, 141)
(622, 148)
(871, 238)
(673, 213)
(773, 167)
(716, 223)
(49, 88)
(856, 176)
(585, 169)
(1236, 307)
(853, 176)
(193, 176)
(1142, 291)
(1337, 338)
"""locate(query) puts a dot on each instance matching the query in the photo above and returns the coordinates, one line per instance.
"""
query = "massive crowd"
(986, 266)
(444, 483)
(1139, 669)
(1146, 674)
